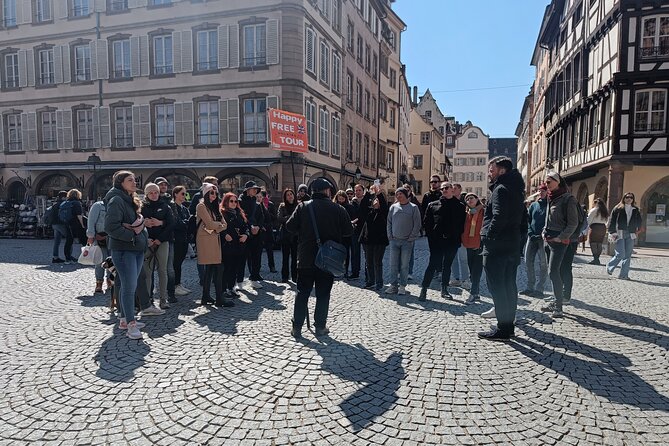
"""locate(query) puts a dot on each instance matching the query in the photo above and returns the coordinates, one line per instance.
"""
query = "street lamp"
(94, 160)
(358, 173)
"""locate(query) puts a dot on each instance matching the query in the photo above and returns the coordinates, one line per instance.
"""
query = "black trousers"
(374, 262)
(289, 261)
(475, 263)
(240, 263)
(69, 241)
(442, 254)
(500, 268)
(254, 256)
(269, 249)
(231, 261)
(214, 272)
(180, 251)
(307, 278)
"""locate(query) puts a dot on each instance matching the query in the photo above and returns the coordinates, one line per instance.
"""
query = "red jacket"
(471, 236)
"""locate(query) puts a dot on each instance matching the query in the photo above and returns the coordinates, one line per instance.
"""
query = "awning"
(130, 165)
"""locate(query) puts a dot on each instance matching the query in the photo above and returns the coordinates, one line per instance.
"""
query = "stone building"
(470, 162)
(426, 153)
(428, 108)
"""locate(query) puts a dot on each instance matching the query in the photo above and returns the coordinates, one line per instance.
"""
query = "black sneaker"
(57, 260)
(172, 300)
(294, 332)
(423, 295)
(322, 331)
(527, 293)
(446, 295)
(495, 335)
(549, 308)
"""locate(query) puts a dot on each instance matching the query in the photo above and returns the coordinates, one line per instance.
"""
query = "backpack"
(582, 223)
(51, 215)
(65, 211)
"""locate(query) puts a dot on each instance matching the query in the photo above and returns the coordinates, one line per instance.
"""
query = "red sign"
(288, 130)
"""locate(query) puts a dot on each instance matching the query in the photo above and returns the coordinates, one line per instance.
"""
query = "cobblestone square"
(394, 371)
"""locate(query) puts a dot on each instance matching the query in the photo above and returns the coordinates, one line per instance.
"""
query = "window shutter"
(136, 133)
(188, 130)
(57, 65)
(30, 67)
(67, 72)
(27, 11)
(272, 44)
(141, 125)
(103, 59)
(234, 46)
(100, 5)
(223, 46)
(96, 127)
(141, 3)
(144, 55)
(60, 7)
(2, 133)
(272, 102)
(93, 48)
(233, 121)
(25, 133)
(186, 51)
(134, 57)
(23, 73)
(105, 129)
(176, 51)
(64, 129)
(178, 124)
(223, 121)
(310, 44)
(59, 130)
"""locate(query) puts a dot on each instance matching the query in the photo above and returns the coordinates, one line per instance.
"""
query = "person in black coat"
(269, 211)
(434, 194)
(256, 220)
(342, 200)
(444, 222)
(182, 215)
(288, 240)
(374, 235)
(333, 223)
(501, 237)
(233, 243)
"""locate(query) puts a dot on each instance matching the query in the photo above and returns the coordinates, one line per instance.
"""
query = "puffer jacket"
(562, 218)
(503, 215)
(160, 210)
(96, 219)
(120, 210)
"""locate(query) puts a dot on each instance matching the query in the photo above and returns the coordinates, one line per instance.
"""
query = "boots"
(423, 295)
(98, 286)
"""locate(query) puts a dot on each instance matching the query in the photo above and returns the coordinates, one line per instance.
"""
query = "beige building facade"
(470, 163)
(425, 153)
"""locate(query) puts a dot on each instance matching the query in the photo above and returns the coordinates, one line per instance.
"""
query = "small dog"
(108, 264)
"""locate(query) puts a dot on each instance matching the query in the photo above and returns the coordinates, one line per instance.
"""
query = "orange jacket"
(471, 236)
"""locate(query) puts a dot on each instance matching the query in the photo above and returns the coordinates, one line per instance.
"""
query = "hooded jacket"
(503, 215)
(120, 210)
(160, 210)
(445, 220)
(537, 217)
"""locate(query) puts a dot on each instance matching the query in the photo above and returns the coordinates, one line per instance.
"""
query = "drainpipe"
(97, 35)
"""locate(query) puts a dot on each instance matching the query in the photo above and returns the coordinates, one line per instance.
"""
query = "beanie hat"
(302, 186)
(401, 190)
(208, 187)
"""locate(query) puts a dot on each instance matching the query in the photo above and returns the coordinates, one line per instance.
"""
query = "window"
(350, 36)
(48, 130)
(207, 50)
(360, 49)
(160, 2)
(324, 8)
(373, 151)
(424, 138)
(80, 8)
(358, 145)
(473, 135)
(441, 130)
(310, 113)
(358, 97)
(121, 56)
(164, 124)
(567, 81)
(85, 129)
(368, 58)
(578, 15)
(479, 176)
(336, 72)
(392, 121)
(255, 121)
(324, 137)
(349, 89)
(349, 142)
(82, 63)
(655, 37)
(606, 118)
(367, 104)
(162, 55)
(42, 11)
(11, 70)
(375, 66)
(9, 13)
(336, 14)
(593, 125)
(393, 78)
(365, 159)
(254, 45)
(123, 127)
(481, 161)
(45, 61)
(207, 122)
(383, 109)
(428, 114)
(374, 112)
(336, 129)
(118, 5)
(577, 73)
(390, 161)
(650, 111)
(310, 50)
(14, 142)
(325, 63)
(418, 162)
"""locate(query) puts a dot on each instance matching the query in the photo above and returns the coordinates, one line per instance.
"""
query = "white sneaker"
(133, 331)
(238, 287)
(256, 284)
(402, 290)
(466, 284)
(123, 325)
(181, 291)
(490, 314)
(151, 311)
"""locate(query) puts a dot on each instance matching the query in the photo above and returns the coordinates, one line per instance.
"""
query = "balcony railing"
(121, 74)
(118, 5)
(255, 61)
(11, 83)
(123, 142)
(164, 140)
(164, 69)
(207, 65)
(655, 51)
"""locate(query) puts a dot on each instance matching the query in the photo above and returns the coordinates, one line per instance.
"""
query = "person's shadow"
(381, 379)
(119, 357)
(605, 375)
(622, 316)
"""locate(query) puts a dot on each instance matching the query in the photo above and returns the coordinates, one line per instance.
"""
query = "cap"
(251, 185)
(321, 184)
(159, 180)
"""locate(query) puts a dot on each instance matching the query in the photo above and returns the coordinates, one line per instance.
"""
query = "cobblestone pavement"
(394, 371)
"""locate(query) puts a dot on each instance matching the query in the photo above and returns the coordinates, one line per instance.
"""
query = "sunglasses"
(629, 196)
(471, 198)
(213, 192)
(232, 201)
(434, 182)
(445, 188)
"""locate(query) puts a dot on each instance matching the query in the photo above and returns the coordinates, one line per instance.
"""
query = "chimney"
(415, 95)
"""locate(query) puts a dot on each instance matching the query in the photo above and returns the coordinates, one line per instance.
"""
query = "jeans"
(459, 269)
(475, 263)
(500, 268)
(160, 257)
(374, 261)
(566, 271)
(411, 261)
(59, 232)
(254, 256)
(180, 252)
(306, 279)
(558, 251)
(69, 241)
(441, 259)
(99, 270)
(624, 247)
(170, 271)
(534, 248)
(128, 265)
(142, 293)
(289, 261)
(355, 254)
(400, 258)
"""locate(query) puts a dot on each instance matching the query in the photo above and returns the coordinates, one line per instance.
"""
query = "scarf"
(557, 193)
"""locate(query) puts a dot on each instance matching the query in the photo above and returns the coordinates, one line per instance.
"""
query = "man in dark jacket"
(444, 222)
(166, 196)
(256, 216)
(333, 224)
(500, 237)
(358, 194)
(535, 245)
(434, 194)
(269, 211)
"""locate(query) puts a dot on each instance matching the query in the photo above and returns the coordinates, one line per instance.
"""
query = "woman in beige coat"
(210, 223)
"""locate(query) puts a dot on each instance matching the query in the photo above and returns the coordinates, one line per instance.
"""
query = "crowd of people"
(466, 235)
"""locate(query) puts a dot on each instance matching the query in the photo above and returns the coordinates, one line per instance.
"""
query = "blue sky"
(472, 44)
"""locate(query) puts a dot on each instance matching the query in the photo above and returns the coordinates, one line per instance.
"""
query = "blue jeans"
(460, 269)
(170, 271)
(128, 265)
(400, 257)
(99, 270)
(59, 233)
(624, 247)
(534, 249)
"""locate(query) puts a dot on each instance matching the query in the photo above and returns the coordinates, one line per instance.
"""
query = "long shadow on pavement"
(632, 333)
(622, 316)
(355, 363)
(119, 357)
(606, 375)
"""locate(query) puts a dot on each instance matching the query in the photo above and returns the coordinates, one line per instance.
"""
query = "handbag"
(91, 255)
(331, 256)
